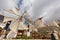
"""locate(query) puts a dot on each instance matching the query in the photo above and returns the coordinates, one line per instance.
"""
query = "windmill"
(16, 22)
(12, 14)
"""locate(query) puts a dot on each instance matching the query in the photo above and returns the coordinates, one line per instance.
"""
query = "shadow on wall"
(1, 18)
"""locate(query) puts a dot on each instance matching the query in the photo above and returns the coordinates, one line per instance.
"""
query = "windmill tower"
(16, 23)
(38, 23)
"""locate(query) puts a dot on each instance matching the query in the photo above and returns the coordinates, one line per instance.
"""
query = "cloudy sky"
(48, 9)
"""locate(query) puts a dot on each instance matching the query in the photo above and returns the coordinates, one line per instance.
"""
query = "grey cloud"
(49, 9)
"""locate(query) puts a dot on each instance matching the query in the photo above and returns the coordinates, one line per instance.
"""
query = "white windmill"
(11, 12)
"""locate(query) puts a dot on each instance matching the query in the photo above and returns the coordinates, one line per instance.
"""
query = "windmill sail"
(13, 26)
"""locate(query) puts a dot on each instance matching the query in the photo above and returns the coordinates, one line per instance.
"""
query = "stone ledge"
(25, 39)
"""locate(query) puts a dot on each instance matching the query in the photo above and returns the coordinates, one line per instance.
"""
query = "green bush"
(23, 37)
